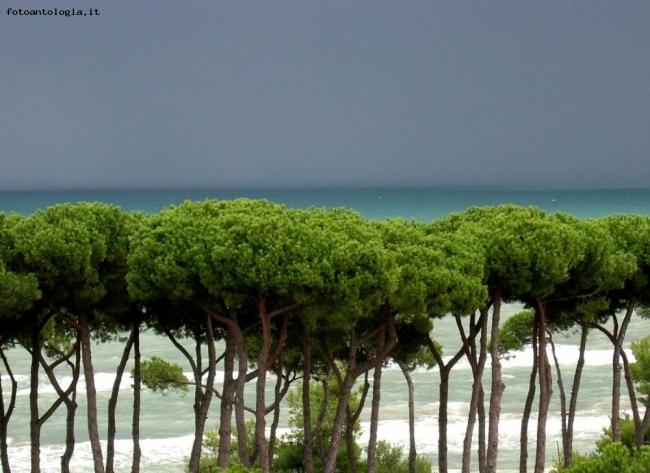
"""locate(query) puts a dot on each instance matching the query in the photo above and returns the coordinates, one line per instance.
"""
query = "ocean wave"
(567, 356)
(169, 454)
(103, 383)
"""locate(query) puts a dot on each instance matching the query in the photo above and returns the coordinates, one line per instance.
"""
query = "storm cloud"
(263, 94)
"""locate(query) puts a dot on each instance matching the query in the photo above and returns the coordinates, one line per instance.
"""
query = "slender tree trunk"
(260, 405)
(137, 394)
(306, 401)
(6, 412)
(619, 337)
(350, 420)
(545, 384)
(199, 392)
(443, 400)
(482, 418)
(242, 368)
(339, 421)
(478, 367)
(616, 387)
(646, 421)
(411, 396)
(34, 421)
(374, 411)
(112, 403)
(528, 406)
(265, 361)
(276, 409)
(562, 394)
(352, 373)
(482, 437)
(634, 406)
(443, 420)
(91, 395)
(497, 389)
(227, 398)
(349, 441)
(202, 404)
(67, 396)
(69, 435)
(573, 401)
(321, 417)
(71, 410)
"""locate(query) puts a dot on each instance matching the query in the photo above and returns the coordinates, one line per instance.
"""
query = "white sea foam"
(567, 356)
(103, 383)
(170, 454)
(587, 430)
(158, 455)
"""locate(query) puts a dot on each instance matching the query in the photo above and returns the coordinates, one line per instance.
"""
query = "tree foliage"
(164, 377)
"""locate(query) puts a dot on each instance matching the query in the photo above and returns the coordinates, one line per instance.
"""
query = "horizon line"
(319, 188)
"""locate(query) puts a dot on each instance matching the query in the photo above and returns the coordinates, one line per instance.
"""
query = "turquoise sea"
(419, 203)
(167, 421)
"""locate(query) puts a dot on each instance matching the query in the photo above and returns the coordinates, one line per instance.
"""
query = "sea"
(167, 421)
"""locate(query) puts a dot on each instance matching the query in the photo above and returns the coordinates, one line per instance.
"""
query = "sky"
(302, 94)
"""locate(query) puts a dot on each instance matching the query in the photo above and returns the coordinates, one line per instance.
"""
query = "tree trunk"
(265, 361)
(545, 383)
(71, 410)
(349, 441)
(34, 421)
(478, 367)
(634, 406)
(352, 373)
(411, 390)
(137, 394)
(202, 403)
(618, 338)
(227, 398)
(482, 418)
(67, 396)
(528, 407)
(321, 417)
(242, 368)
(112, 403)
(482, 440)
(91, 395)
(442, 420)
(573, 401)
(260, 405)
(374, 411)
(497, 389)
(306, 401)
(443, 400)
(339, 421)
(278, 392)
(5, 413)
(350, 420)
(562, 393)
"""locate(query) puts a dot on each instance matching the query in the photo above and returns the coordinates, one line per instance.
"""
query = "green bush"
(391, 459)
(614, 458)
(578, 459)
(627, 435)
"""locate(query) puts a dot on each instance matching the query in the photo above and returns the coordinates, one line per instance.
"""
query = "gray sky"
(266, 93)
